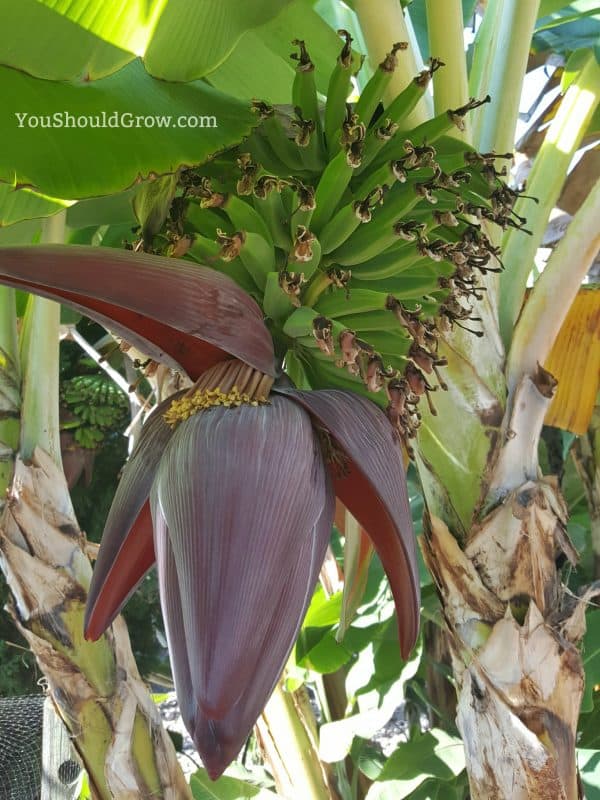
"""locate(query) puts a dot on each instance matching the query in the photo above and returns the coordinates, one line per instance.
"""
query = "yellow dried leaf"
(575, 362)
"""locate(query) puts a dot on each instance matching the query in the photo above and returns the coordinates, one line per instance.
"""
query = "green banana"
(428, 132)
(337, 95)
(396, 112)
(304, 89)
(384, 176)
(204, 250)
(384, 229)
(347, 220)
(277, 303)
(411, 285)
(393, 261)
(260, 148)
(303, 204)
(246, 218)
(284, 148)
(372, 93)
(258, 257)
(206, 220)
(330, 189)
(269, 205)
(300, 323)
(305, 254)
(335, 305)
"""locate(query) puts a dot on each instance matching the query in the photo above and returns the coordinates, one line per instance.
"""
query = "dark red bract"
(234, 504)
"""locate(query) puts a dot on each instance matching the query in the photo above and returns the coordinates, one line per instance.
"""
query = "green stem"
(545, 183)
(315, 288)
(554, 291)
(446, 42)
(500, 62)
(39, 354)
(9, 387)
(294, 750)
(383, 24)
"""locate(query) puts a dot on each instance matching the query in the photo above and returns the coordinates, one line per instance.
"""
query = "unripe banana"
(373, 92)
(428, 132)
(304, 93)
(410, 285)
(393, 261)
(394, 114)
(257, 256)
(246, 218)
(383, 231)
(283, 148)
(347, 219)
(204, 250)
(337, 95)
(270, 206)
(330, 189)
(277, 304)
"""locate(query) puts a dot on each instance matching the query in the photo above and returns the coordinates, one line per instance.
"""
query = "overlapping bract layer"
(242, 498)
(242, 505)
(243, 510)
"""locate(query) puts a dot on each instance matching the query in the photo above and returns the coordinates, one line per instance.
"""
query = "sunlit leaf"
(434, 754)
(226, 788)
(17, 205)
(74, 162)
(102, 35)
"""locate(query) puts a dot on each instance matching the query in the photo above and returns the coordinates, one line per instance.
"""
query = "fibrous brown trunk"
(513, 628)
(113, 721)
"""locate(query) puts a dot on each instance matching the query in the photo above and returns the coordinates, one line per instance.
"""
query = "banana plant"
(342, 283)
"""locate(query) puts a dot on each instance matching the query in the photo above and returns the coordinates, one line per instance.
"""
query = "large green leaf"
(568, 28)
(591, 660)
(17, 205)
(317, 649)
(553, 7)
(260, 64)
(588, 733)
(323, 611)
(437, 789)
(179, 40)
(376, 681)
(432, 754)
(589, 767)
(226, 789)
(41, 42)
(114, 209)
(192, 39)
(77, 162)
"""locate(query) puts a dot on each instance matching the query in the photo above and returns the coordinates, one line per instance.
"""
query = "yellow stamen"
(229, 384)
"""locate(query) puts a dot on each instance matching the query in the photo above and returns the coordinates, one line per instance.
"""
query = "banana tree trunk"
(513, 630)
(97, 690)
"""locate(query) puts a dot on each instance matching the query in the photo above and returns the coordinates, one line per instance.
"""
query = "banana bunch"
(92, 406)
(362, 240)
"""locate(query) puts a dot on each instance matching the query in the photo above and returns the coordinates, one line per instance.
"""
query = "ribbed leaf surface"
(374, 491)
(127, 552)
(176, 312)
(249, 507)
